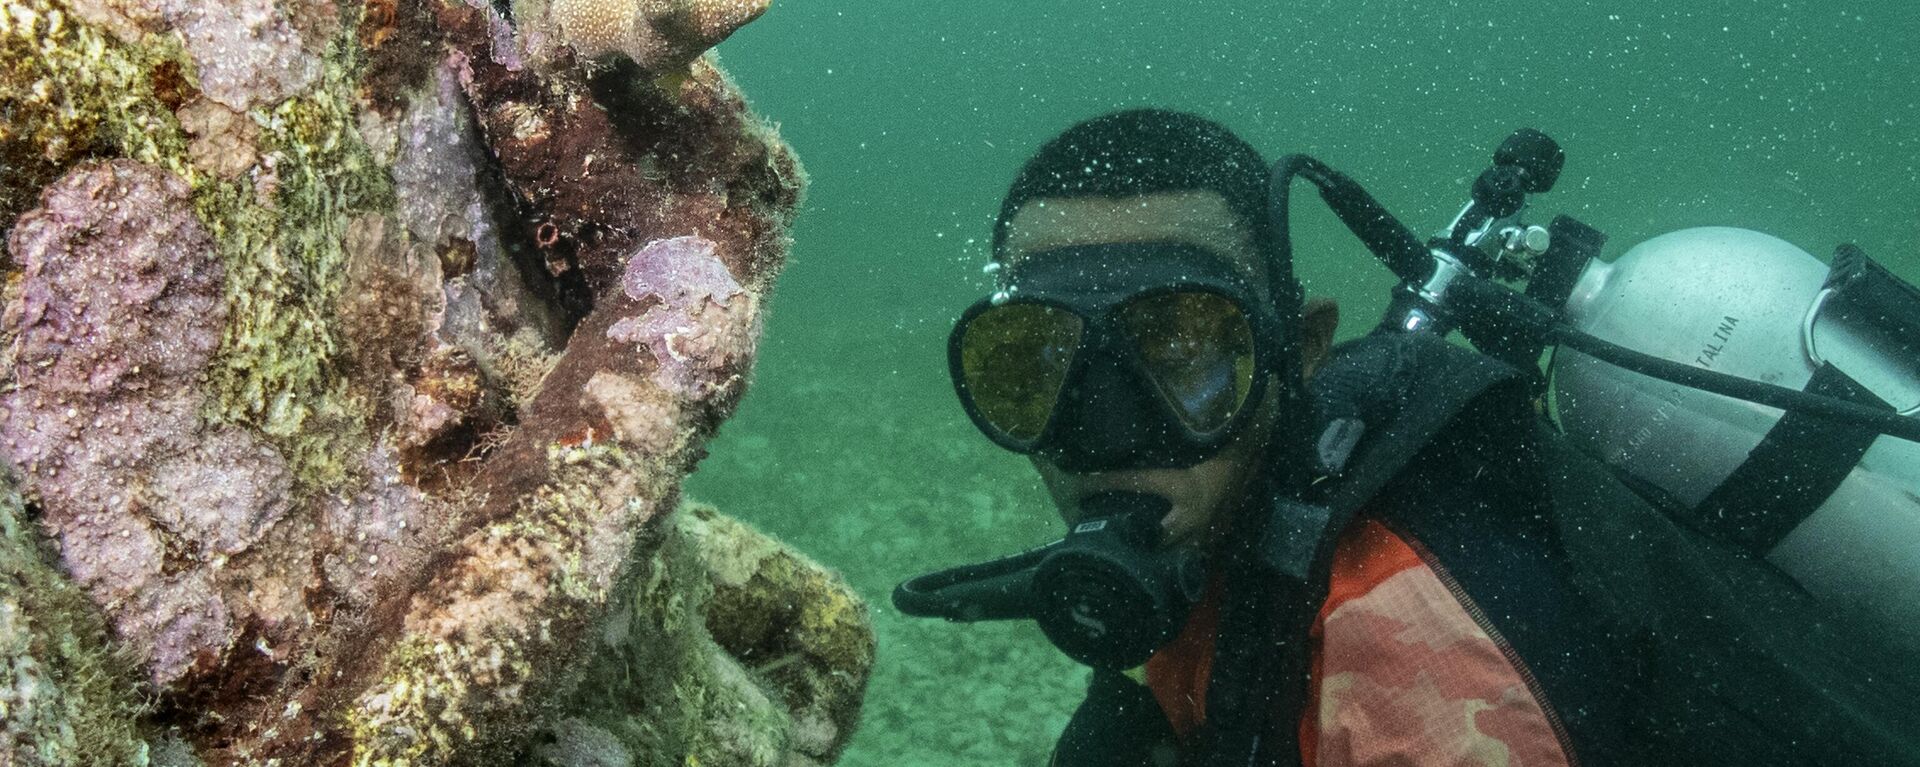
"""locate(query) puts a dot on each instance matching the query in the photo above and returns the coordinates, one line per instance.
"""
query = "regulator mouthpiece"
(1114, 596)
(1108, 595)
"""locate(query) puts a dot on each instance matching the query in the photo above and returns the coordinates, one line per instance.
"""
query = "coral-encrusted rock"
(353, 395)
(797, 624)
(119, 315)
(735, 650)
(569, 495)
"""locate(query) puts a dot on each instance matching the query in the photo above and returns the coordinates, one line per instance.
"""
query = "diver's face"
(1200, 493)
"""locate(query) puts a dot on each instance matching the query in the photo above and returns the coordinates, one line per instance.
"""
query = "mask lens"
(1198, 349)
(1013, 361)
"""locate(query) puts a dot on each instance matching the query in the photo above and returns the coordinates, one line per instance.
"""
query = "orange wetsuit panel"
(1178, 672)
(1402, 673)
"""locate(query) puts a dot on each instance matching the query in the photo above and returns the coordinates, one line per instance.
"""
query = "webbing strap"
(1791, 472)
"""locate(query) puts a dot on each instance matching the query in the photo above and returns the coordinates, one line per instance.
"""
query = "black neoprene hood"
(1140, 152)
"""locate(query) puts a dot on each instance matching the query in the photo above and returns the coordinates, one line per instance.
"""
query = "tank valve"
(1532, 240)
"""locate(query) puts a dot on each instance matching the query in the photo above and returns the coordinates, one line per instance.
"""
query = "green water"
(1801, 119)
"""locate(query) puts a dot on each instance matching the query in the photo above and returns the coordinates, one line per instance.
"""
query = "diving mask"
(1114, 356)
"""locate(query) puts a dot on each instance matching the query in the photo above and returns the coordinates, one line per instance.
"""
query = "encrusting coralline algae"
(696, 320)
(119, 316)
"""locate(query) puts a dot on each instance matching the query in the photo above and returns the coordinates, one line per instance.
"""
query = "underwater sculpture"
(353, 355)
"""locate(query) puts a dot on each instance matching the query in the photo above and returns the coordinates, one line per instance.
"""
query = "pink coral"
(679, 270)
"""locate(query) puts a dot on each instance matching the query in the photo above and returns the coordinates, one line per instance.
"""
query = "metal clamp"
(1446, 268)
(1806, 326)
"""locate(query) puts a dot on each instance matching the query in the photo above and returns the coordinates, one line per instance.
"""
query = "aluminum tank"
(1751, 305)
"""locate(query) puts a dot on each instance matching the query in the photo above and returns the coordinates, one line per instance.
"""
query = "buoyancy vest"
(1735, 664)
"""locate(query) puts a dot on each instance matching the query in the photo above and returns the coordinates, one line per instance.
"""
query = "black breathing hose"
(1513, 313)
(1383, 234)
(1001, 589)
(1883, 421)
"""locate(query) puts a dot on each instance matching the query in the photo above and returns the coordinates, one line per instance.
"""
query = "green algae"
(69, 91)
(67, 696)
(278, 365)
(286, 263)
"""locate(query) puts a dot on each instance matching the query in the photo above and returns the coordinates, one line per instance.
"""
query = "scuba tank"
(1835, 507)
(1724, 374)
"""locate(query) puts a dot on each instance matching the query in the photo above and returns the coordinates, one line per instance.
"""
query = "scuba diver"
(1286, 552)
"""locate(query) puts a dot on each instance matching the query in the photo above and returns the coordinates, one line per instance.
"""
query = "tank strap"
(1791, 472)
(1871, 292)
